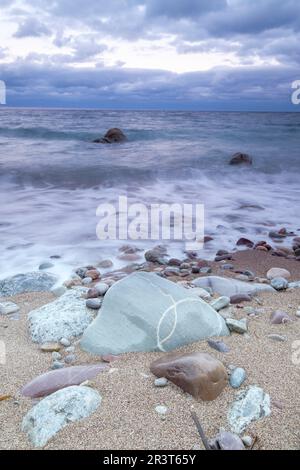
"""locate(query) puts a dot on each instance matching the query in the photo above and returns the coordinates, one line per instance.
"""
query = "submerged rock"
(7, 308)
(230, 287)
(53, 413)
(251, 404)
(64, 317)
(198, 374)
(144, 312)
(50, 382)
(28, 282)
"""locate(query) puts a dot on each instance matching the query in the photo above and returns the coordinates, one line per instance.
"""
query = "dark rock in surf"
(240, 158)
(112, 136)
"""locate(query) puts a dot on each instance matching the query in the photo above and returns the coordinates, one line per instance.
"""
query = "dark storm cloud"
(220, 88)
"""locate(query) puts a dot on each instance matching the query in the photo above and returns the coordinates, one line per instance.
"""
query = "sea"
(53, 178)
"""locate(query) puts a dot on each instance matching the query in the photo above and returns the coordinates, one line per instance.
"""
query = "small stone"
(86, 281)
(253, 312)
(70, 349)
(221, 302)
(50, 347)
(242, 277)
(201, 293)
(245, 242)
(227, 266)
(105, 264)
(46, 265)
(277, 337)
(70, 358)
(109, 358)
(205, 270)
(65, 342)
(218, 346)
(279, 283)
(238, 376)
(279, 317)
(161, 409)
(247, 440)
(81, 272)
(238, 326)
(101, 288)
(93, 273)
(278, 272)
(226, 441)
(298, 314)
(56, 356)
(57, 365)
(238, 298)
(5, 397)
(58, 291)
(7, 308)
(161, 382)
(94, 304)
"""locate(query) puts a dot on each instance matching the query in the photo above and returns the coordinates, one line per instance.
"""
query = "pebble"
(86, 281)
(298, 313)
(46, 265)
(70, 349)
(238, 376)
(201, 293)
(106, 263)
(247, 440)
(277, 337)
(221, 302)
(81, 272)
(70, 358)
(109, 358)
(102, 288)
(95, 304)
(161, 382)
(238, 326)
(93, 273)
(161, 409)
(253, 312)
(56, 356)
(279, 283)
(237, 298)
(278, 272)
(278, 317)
(7, 308)
(242, 277)
(227, 266)
(218, 346)
(65, 342)
(58, 291)
(50, 347)
(57, 365)
(205, 270)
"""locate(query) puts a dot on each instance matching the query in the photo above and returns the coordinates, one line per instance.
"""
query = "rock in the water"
(278, 272)
(198, 374)
(7, 308)
(50, 382)
(53, 413)
(65, 317)
(230, 287)
(245, 242)
(238, 326)
(101, 288)
(251, 404)
(238, 377)
(221, 302)
(279, 317)
(218, 346)
(112, 136)
(144, 312)
(279, 283)
(226, 441)
(28, 282)
(241, 158)
(45, 265)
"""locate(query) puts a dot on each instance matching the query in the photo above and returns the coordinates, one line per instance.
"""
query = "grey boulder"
(64, 317)
(53, 413)
(28, 282)
(229, 287)
(144, 312)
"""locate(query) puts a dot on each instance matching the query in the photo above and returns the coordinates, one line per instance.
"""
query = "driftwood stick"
(200, 431)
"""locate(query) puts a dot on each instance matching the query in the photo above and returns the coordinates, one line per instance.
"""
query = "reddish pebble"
(93, 273)
(238, 298)
(109, 358)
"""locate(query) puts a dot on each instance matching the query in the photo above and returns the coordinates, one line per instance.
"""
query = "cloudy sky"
(167, 54)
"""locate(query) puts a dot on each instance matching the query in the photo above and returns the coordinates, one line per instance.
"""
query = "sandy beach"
(127, 418)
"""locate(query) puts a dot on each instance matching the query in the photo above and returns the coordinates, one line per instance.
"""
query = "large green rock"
(145, 312)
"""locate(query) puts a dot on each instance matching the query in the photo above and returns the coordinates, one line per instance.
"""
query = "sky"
(210, 55)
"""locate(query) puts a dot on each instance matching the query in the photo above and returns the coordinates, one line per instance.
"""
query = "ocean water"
(53, 178)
